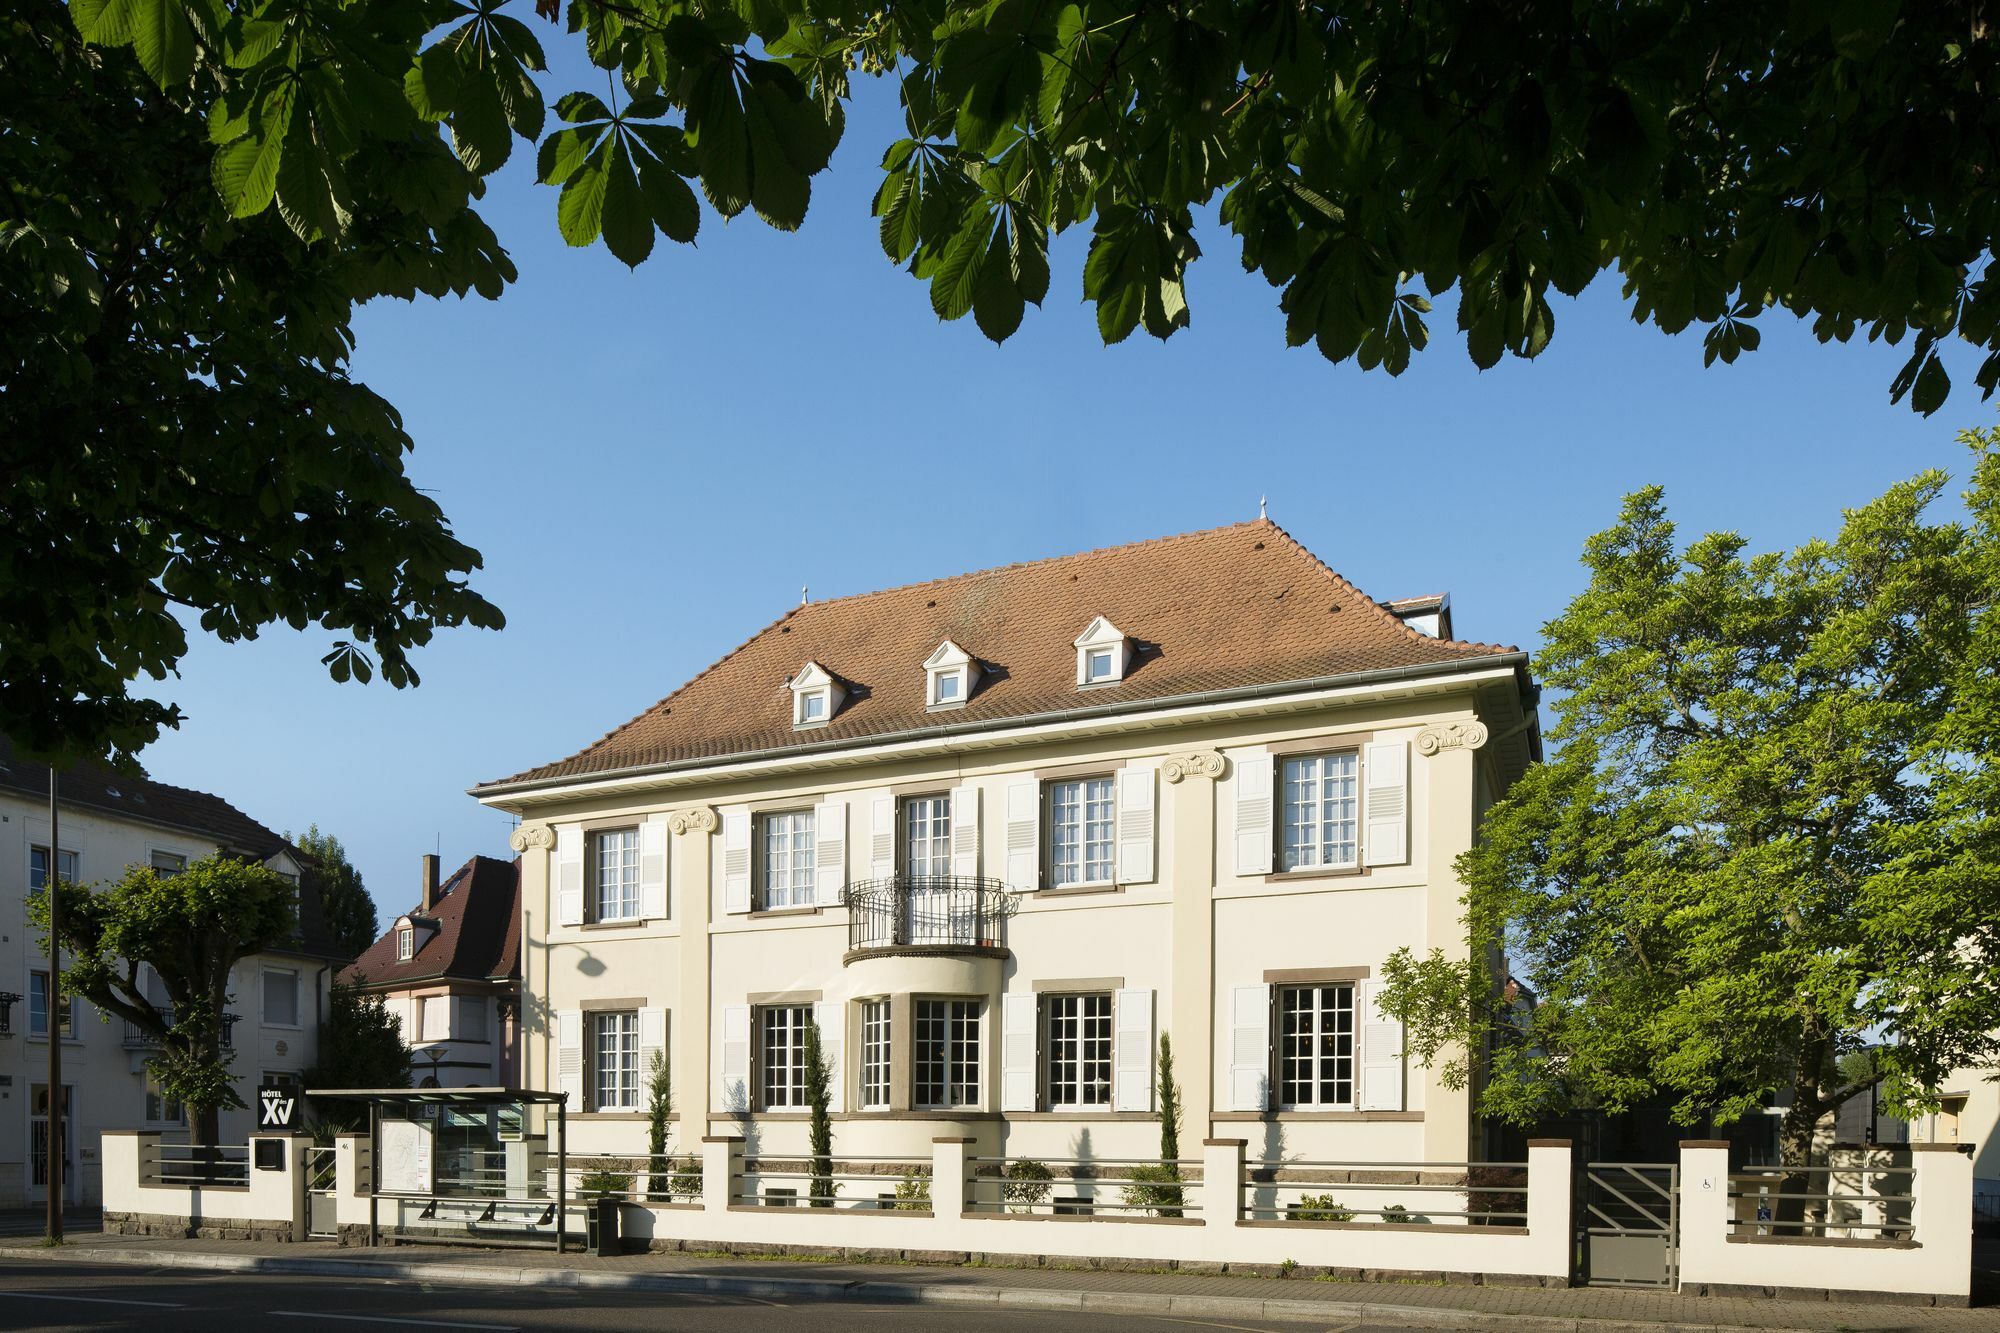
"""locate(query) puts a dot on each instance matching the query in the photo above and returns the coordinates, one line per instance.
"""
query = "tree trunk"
(1795, 1144)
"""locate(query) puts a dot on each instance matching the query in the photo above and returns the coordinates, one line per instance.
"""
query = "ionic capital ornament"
(532, 835)
(1451, 736)
(697, 819)
(1193, 764)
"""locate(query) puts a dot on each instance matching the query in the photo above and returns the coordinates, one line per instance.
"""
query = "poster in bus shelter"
(406, 1157)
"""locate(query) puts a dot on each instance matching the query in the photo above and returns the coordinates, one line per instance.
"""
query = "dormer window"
(816, 696)
(1103, 654)
(948, 676)
(406, 943)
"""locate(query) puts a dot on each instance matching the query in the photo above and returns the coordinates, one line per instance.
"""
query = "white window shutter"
(1386, 793)
(1136, 824)
(1381, 1053)
(569, 1056)
(1024, 835)
(1132, 1081)
(882, 837)
(829, 853)
(1250, 1047)
(733, 1088)
(653, 869)
(965, 831)
(1017, 1052)
(828, 1018)
(652, 1042)
(1254, 797)
(735, 863)
(566, 872)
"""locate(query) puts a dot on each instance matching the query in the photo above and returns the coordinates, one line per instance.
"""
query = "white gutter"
(956, 737)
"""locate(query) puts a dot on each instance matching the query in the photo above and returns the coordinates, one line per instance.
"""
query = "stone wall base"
(181, 1228)
(1833, 1295)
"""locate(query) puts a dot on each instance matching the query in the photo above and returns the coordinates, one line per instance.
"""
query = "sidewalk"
(1591, 1310)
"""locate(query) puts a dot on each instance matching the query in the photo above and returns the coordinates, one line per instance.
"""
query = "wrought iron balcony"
(137, 1036)
(927, 911)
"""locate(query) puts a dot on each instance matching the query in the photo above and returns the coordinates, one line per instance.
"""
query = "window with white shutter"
(830, 1018)
(569, 1056)
(1137, 827)
(566, 874)
(733, 866)
(733, 1074)
(1024, 846)
(653, 869)
(1017, 1052)
(1132, 1083)
(1250, 1047)
(965, 831)
(830, 853)
(1382, 1073)
(1386, 771)
(881, 837)
(1253, 779)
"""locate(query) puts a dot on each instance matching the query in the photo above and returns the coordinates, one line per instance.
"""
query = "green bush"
(1154, 1189)
(1319, 1208)
(1027, 1184)
(1395, 1212)
(913, 1193)
(685, 1180)
(604, 1178)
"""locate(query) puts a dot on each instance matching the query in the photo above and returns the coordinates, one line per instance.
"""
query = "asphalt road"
(65, 1295)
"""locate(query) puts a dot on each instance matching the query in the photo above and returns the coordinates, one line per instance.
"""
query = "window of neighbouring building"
(281, 998)
(927, 836)
(160, 1108)
(947, 1054)
(1320, 810)
(1076, 1031)
(38, 1007)
(1316, 1046)
(876, 1062)
(436, 1021)
(614, 880)
(406, 943)
(781, 1034)
(1082, 843)
(168, 864)
(614, 1061)
(38, 867)
(785, 860)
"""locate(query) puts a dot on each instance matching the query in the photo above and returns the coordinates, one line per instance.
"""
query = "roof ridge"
(1381, 609)
(1030, 564)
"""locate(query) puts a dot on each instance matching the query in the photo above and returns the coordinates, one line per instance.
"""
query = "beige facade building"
(109, 821)
(996, 835)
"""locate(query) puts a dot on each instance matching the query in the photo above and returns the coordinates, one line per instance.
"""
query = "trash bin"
(601, 1225)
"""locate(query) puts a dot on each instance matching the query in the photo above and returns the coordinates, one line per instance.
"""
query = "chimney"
(430, 883)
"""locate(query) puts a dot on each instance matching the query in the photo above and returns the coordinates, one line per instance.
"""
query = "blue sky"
(654, 462)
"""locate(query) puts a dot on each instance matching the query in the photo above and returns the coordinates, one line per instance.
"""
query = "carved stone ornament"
(1451, 736)
(532, 835)
(699, 819)
(1194, 764)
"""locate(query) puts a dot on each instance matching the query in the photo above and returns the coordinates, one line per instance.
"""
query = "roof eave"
(498, 793)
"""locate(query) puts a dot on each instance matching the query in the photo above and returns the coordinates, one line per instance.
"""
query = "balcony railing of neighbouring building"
(948, 911)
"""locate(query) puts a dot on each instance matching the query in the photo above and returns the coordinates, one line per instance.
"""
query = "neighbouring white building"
(109, 821)
(996, 834)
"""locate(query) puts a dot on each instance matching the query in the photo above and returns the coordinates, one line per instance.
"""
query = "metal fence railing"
(960, 910)
(1467, 1193)
(1863, 1202)
(868, 1184)
(220, 1166)
(1084, 1187)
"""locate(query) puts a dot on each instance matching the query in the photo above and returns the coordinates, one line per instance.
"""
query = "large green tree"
(331, 879)
(1769, 836)
(360, 1046)
(191, 928)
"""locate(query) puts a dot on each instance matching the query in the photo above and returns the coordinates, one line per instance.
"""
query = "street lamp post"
(58, 1104)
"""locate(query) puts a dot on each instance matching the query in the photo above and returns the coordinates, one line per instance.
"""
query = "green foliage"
(819, 1128)
(605, 1177)
(344, 904)
(360, 1046)
(190, 929)
(1770, 836)
(913, 1193)
(659, 1115)
(198, 194)
(1395, 1212)
(1318, 1208)
(1154, 1189)
(1169, 1103)
(1028, 1183)
(685, 1182)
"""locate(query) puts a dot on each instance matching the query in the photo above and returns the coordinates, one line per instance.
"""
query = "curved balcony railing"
(949, 911)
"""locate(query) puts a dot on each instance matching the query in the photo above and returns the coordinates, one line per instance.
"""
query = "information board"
(406, 1157)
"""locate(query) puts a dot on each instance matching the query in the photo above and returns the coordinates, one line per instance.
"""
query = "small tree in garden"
(1027, 1185)
(360, 1046)
(659, 1111)
(819, 1096)
(1171, 1194)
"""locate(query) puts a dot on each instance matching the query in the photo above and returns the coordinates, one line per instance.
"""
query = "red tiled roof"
(478, 913)
(1230, 607)
(100, 787)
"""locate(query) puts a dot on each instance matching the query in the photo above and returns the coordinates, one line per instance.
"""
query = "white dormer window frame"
(1103, 654)
(949, 674)
(406, 942)
(816, 696)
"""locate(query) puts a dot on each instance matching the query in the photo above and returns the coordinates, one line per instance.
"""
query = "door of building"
(38, 1143)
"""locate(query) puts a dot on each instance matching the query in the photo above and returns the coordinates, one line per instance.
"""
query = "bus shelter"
(474, 1163)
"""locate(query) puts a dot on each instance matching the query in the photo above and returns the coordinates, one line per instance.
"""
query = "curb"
(879, 1293)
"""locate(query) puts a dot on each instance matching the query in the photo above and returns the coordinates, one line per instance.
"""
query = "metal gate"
(1631, 1224)
(320, 1218)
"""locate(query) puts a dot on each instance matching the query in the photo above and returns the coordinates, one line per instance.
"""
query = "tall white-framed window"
(1082, 841)
(785, 865)
(1316, 1046)
(38, 1008)
(927, 836)
(281, 997)
(614, 877)
(781, 1032)
(160, 1108)
(168, 864)
(876, 1058)
(614, 1060)
(406, 943)
(436, 1021)
(1076, 1035)
(38, 867)
(947, 1054)
(1321, 811)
